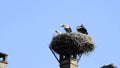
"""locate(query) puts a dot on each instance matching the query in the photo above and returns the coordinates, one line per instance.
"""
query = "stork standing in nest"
(82, 29)
(67, 28)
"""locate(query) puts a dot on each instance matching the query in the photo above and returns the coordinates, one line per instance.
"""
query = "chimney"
(3, 60)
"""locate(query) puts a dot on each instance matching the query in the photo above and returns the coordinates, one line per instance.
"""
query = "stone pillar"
(69, 63)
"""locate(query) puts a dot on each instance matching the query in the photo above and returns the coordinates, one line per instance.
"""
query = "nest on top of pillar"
(72, 43)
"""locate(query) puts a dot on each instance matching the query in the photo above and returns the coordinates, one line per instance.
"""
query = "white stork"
(58, 32)
(82, 29)
(67, 28)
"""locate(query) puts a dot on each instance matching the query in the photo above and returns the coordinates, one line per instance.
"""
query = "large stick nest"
(73, 43)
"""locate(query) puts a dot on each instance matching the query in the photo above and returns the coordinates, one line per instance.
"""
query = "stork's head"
(56, 31)
(65, 25)
(81, 25)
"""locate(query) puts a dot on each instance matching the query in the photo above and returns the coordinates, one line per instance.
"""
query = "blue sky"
(27, 28)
